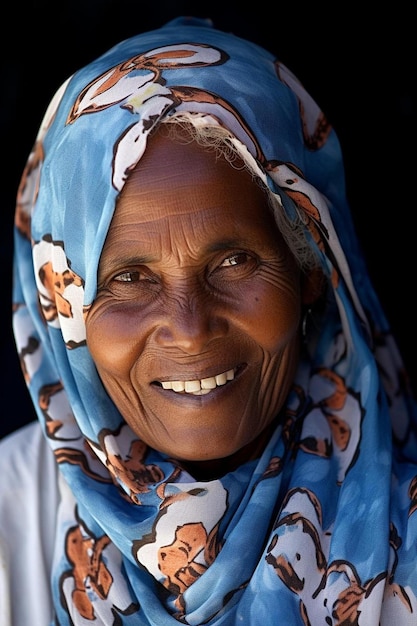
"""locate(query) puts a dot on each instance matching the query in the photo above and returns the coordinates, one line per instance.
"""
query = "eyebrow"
(107, 264)
(225, 244)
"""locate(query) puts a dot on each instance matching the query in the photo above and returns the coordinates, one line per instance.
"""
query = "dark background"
(358, 67)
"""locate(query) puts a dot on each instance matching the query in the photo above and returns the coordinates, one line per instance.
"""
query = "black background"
(358, 66)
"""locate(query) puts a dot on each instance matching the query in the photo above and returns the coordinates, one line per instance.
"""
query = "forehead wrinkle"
(176, 242)
(170, 250)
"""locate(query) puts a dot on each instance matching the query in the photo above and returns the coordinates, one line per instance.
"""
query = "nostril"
(191, 329)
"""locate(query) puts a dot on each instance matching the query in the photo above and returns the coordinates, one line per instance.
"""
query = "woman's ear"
(313, 284)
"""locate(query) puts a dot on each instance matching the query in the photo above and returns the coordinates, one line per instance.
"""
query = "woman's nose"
(191, 322)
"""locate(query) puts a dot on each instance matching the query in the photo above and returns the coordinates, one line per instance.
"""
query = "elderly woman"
(225, 431)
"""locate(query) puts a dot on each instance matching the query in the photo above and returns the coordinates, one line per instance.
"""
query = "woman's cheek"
(272, 315)
(112, 334)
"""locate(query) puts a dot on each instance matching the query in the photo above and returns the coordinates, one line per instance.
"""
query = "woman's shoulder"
(29, 491)
(18, 440)
(29, 498)
(29, 474)
(21, 452)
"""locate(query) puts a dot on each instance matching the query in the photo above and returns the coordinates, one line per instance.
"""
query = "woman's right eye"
(135, 275)
(131, 283)
(128, 277)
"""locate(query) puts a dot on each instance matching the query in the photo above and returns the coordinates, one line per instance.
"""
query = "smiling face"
(195, 327)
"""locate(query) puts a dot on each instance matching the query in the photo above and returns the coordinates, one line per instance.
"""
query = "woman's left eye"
(236, 259)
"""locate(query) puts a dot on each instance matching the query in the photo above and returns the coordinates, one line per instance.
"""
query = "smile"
(199, 387)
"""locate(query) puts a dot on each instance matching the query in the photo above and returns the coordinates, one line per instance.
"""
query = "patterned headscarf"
(322, 528)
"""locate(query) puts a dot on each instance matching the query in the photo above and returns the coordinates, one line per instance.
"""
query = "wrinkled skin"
(195, 280)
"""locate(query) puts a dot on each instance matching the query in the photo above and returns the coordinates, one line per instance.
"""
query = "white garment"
(29, 497)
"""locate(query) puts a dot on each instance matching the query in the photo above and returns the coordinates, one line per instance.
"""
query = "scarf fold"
(322, 528)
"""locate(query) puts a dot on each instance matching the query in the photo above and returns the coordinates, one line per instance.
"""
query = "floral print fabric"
(322, 528)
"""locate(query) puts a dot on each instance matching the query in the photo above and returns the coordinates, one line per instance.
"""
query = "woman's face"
(195, 328)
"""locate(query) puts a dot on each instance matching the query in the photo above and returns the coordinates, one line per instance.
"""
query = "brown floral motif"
(85, 554)
(133, 471)
(335, 586)
(28, 190)
(177, 561)
(55, 284)
(340, 411)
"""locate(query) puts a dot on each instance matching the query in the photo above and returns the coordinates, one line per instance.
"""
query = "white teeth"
(199, 387)
(192, 385)
(208, 383)
(221, 379)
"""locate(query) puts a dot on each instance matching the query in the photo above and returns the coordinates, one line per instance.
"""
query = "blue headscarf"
(322, 528)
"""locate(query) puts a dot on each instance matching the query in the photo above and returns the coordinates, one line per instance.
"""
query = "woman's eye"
(236, 259)
(135, 276)
(236, 266)
(127, 277)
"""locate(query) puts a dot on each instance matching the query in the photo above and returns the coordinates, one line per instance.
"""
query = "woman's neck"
(213, 469)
